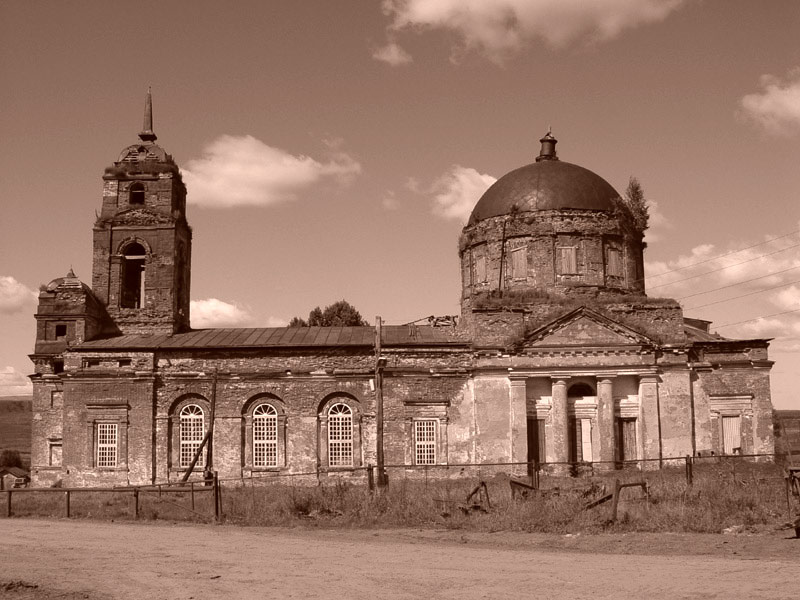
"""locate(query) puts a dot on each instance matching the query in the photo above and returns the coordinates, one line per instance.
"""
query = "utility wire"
(737, 297)
(652, 287)
(786, 312)
(724, 287)
(722, 255)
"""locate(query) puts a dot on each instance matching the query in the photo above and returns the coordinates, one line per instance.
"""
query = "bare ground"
(72, 559)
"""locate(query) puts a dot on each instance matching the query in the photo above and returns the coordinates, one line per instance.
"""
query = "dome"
(547, 184)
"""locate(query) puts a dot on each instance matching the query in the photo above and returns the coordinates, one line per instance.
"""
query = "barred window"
(192, 427)
(340, 436)
(425, 442)
(106, 444)
(265, 436)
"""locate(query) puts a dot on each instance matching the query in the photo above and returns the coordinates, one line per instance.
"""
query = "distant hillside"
(15, 425)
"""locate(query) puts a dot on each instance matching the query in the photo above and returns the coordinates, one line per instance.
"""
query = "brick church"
(558, 356)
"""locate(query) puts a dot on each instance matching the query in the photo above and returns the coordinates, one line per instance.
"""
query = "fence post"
(217, 497)
(535, 475)
(136, 503)
(191, 487)
(370, 478)
(615, 501)
(8, 501)
(689, 473)
(66, 503)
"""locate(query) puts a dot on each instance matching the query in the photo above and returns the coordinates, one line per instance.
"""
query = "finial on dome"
(71, 273)
(548, 151)
(147, 134)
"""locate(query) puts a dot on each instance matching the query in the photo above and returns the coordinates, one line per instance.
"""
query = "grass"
(748, 495)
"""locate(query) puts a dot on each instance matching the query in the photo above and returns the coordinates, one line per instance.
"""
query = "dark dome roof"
(545, 185)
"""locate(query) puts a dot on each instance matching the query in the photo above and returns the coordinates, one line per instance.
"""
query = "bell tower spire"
(147, 134)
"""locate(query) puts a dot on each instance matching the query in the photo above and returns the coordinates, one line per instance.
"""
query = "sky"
(334, 150)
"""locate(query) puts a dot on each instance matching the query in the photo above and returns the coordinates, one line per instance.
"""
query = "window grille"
(265, 436)
(425, 442)
(106, 444)
(192, 429)
(340, 436)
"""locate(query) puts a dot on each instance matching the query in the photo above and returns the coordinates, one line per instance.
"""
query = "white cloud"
(212, 312)
(241, 170)
(14, 383)
(392, 54)
(15, 296)
(390, 201)
(776, 108)
(659, 222)
(457, 191)
(500, 28)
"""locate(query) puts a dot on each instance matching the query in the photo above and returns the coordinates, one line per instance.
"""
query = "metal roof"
(281, 337)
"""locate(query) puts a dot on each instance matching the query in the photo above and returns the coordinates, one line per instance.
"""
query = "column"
(560, 421)
(651, 420)
(605, 422)
(519, 425)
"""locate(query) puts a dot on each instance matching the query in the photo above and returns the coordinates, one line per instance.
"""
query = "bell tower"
(142, 242)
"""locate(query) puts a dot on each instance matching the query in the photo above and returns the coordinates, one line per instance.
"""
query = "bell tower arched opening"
(132, 295)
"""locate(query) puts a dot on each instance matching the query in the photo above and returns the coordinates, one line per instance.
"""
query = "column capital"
(560, 379)
(650, 378)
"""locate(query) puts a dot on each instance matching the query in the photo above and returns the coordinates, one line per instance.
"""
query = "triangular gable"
(585, 327)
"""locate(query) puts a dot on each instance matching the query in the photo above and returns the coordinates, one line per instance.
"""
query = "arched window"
(340, 436)
(133, 261)
(192, 426)
(136, 193)
(265, 436)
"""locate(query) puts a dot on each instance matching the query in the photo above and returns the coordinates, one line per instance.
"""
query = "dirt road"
(87, 559)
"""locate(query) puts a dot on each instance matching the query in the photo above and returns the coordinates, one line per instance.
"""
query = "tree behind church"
(338, 314)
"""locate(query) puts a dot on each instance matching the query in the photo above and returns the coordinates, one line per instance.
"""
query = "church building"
(559, 357)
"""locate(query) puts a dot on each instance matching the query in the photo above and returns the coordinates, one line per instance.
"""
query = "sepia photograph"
(399, 298)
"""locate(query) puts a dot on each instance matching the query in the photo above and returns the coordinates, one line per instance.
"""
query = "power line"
(737, 297)
(741, 282)
(786, 312)
(652, 287)
(723, 255)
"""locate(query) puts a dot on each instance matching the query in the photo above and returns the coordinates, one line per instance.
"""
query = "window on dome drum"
(567, 258)
(480, 269)
(133, 262)
(425, 441)
(519, 263)
(136, 194)
(265, 436)
(340, 436)
(61, 332)
(614, 262)
(106, 446)
(192, 430)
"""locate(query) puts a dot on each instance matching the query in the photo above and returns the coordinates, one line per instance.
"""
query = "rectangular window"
(615, 262)
(55, 455)
(480, 269)
(61, 332)
(567, 260)
(519, 263)
(106, 444)
(732, 435)
(425, 442)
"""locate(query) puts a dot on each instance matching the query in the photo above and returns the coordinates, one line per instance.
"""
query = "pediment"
(584, 328)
